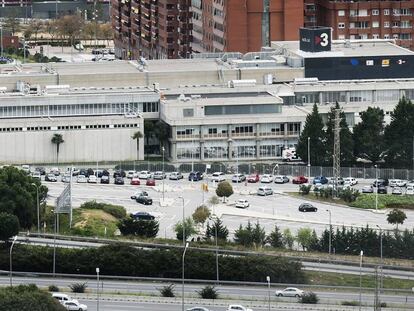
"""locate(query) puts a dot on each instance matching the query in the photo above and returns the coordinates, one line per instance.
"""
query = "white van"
(63, 297)
(218, 176)
(350, 181)
(264, 190)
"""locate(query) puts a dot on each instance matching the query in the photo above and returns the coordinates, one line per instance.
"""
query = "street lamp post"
(275, 168)
(183, 220)
(163, 172)
(360, 279)
(376, 184)
(330, 232)
(11, 260)
(1, 40)
(38, 207)
(309, 157)
(54, 244)
(183, 275)
(97, 289)
(381, 260)
(268, 289)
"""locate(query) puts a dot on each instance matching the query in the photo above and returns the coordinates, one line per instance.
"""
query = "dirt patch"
(87, 216)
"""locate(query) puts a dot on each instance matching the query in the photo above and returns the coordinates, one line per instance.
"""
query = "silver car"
(289, 292)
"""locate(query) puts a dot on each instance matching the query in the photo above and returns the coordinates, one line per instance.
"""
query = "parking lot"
(279, 208)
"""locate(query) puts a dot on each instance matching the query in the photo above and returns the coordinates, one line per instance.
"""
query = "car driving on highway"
(238, 308)
(74, 306)
(289, 292)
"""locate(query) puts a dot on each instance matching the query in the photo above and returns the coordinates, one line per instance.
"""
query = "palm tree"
(137, 135)
(57, 139)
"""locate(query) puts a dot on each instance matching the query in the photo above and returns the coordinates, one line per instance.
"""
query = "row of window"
(375, 24)
(242, 109)
(222, 152)
(376, 12)
(66, 127)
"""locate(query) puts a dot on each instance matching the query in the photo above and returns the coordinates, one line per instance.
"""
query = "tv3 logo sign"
(322, 39)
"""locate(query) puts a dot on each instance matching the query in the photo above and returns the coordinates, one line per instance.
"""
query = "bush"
(140, 228)
(224, 190)
(348, 195)
(201, 214)
(304, 189)
(78, 287)
(350, 303)
(167, 291)
(53, 288)
(114, 210)
(208, 292)
(310, 298)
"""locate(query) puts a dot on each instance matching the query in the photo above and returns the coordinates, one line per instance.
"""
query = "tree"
(107, 32)
(36, 26)
(275, 239)
(213, 200)
(399, 135)
(201, 214)
(346, 139)
(57, 140)
(397, 217)
(140, 228)
(9, 226)
(188, 226)
(314, 129)
(222, 231)
(70, 27)
(161, 132)
(12, 23)
(224, 190)
(250, 235)
(304, 237)
(288, 238)
(369, 135)
(137, 136)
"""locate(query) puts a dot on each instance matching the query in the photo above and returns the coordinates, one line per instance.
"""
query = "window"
(375, 36)
(386, 36)
(242, 109)
(341, 37)
(386, 12)
(188, 112)
(375, 24)
(375, 12)
(395, 36)
(405, 24)
(395, 24)
(341, 12)
(386, 24)
(341, 25)
(353, 12)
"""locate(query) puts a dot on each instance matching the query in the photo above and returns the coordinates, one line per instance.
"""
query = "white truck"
(289, 155)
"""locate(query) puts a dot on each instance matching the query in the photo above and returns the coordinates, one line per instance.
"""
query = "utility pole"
(337, 151)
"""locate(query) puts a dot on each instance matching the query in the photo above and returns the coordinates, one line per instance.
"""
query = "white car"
(242, 203)
(267, 178)
(401, 183)
(281, 179)
(73, 305)
(92, 179)
(264, 190)
(289, 292)
(175, 176)
(397, 191)
(62, 297)
(66, 178)
(368, 189)
(238, 308)
(144, 175)
(410, 190)
(392, 182)
(81, 179)
(218, 176)
(130, 174)
(36, 175)
(350, 181)
(26, 169)
(159, 175)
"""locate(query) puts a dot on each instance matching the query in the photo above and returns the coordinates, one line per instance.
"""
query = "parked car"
(340, 181)
(130, 174)
(50, 177)
(289, 292)
(281, 179)
(320, 180)
(367, 189)
(75, 171)
(198, 309)
(41, 170)
(119, 173)
(81, 179)
(26, 168)
(410, 190)
(382, 189)
(253, 178)
(264, 190)
(139, 193)
(159, 175)
(401, 183)
(381, 182)
(218, 176)
(393, 182)
(299, 180)
(142, 216)
(195, 176)
(143, 199)
(66, 177)
(55, 171)
(119, 181)
(237, 308)
(267, 178)
(92, 179)
(307, 207)
(84, 172)
(74, 306)
(135, 181)
(103, 173)
(105, 179)
(36, 175)
(238, 178)
(144, 175)
(397, 191)
(150, 182)
(351, 181)
(175, 176)
(242, 203)
(62, 297)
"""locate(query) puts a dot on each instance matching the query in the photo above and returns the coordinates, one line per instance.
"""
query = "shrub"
(304, 189)
(224, 190)
(201, 214)
(140, 228)
(350, 303)
(167, 291)
(208, 292)
(53, 288)
(114, 210)
(78, 287)
(310, 298)
(348, 195)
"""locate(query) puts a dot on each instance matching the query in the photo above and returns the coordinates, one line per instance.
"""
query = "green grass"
(384, 201)
(338, 279)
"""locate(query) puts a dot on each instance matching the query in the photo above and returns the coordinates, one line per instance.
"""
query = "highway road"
(247, 293)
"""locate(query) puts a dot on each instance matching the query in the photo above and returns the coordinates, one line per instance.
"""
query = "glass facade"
(242, 109)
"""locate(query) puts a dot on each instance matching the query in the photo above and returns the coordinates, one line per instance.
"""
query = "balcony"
(188, 136)
(272, 134)
(216, 135)
(244, 135)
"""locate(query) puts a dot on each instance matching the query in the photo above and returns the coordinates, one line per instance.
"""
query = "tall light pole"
(376, 184)
(275, 168)
(381, 277)
(1, 40)
(309, 157)
(330, 231)
(54, 244)
(11, 260)
(360, 280)
(216, 240)
(38, 207)
(163, 172)
(183, 275)
(268, 289)
(183, 220)
(97, 289)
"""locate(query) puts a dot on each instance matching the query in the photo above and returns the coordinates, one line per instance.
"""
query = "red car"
(253, 178)
(300, 180)
(150, 182)
(135, 181)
